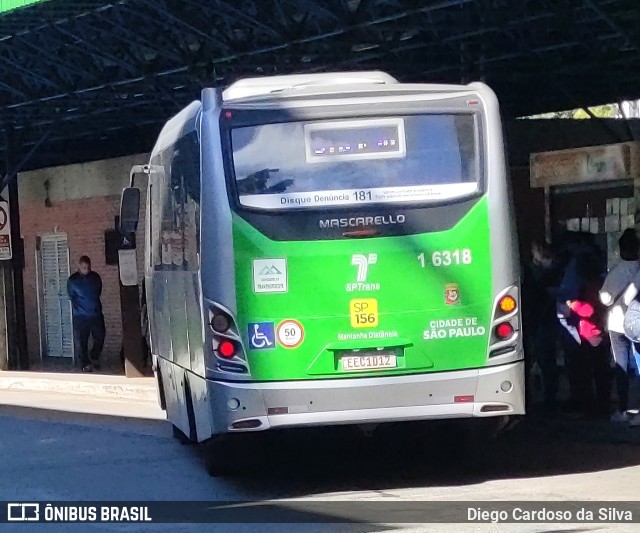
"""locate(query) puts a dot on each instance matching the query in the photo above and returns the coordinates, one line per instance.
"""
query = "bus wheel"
(218, 456)
(480, 437)
(479, 434)
(490, 428)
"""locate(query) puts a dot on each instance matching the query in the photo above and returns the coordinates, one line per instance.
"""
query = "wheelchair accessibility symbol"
(262, 335)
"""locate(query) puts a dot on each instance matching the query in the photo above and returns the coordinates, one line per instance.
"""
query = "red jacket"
(587, 325)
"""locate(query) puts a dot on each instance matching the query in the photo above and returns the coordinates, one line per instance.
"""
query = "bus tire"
(218, 456)
(480, 438)
(481, 433)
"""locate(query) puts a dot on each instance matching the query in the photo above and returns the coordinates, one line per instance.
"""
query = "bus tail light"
(225, 341)
(507, 304)
(504, 331)
(226, 349)
(220, 323)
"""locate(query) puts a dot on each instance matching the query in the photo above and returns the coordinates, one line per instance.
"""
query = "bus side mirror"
(129, 210)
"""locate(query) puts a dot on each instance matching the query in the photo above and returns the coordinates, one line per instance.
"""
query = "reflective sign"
(5, 232)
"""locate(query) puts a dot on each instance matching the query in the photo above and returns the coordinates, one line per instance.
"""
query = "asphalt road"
(53, 454)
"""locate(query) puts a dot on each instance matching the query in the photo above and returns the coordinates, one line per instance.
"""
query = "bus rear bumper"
(485, 392)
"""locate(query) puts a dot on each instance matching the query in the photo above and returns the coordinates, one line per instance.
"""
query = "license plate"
(364, 313)
(368, 362)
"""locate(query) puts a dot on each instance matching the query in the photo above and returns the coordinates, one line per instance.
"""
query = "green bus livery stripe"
(410, 304)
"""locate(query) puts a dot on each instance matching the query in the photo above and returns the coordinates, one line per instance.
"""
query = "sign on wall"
(584, 165)
(128, 267)
(5, 232)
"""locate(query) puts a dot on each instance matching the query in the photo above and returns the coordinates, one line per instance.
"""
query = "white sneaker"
(635, 421)
(620, 417)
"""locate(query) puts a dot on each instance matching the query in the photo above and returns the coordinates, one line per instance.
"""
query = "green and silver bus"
(330, 249)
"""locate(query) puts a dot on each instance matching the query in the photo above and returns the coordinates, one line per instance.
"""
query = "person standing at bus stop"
(584, 261)
(539, 284)
(617, 293)
(85, 288)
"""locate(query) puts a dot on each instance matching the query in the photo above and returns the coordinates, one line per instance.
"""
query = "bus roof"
(274, 88)
(267, 85)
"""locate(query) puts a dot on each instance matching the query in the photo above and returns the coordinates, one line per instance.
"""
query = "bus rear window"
(414, 158)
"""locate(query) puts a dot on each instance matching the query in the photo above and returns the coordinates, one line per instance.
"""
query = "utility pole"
(18, 356)
(18, 275)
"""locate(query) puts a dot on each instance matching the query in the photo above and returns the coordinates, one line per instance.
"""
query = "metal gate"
(56, 329)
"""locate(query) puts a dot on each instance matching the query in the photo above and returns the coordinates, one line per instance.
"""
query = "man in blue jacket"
(84, 289)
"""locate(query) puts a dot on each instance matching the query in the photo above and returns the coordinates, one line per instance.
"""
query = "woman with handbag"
(618, 291)
(583, 264)
(592, 369)
(591, 366)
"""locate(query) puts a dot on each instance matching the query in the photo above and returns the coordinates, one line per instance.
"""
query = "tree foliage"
(599, 111)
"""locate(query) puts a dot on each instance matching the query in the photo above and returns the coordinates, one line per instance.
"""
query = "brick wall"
(84, 221)
(84, 199)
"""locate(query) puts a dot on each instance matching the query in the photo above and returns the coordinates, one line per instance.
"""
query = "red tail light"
(504, 331)
(226, 349)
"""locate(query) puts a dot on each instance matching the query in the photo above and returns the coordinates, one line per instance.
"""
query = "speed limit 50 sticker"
(290, 333)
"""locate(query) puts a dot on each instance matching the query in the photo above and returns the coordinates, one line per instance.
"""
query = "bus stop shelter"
(90, 79)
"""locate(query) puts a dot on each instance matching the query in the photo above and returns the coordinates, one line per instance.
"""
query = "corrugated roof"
(99, 78)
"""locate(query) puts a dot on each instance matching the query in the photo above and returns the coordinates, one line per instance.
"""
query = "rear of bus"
(374, 256)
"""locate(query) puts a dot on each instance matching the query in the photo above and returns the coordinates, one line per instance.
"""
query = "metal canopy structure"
(84, 79)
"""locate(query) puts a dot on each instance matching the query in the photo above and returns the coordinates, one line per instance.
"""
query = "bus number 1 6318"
(444, 258)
